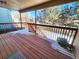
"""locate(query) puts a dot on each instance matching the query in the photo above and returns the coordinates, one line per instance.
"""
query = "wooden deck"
(31, 46)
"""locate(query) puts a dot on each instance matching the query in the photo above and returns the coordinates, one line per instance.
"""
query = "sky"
(30, 14)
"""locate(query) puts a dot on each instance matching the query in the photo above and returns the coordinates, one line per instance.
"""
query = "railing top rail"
(12, 23)
(70, 28)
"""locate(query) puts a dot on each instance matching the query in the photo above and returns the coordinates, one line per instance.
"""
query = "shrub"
(63, 42)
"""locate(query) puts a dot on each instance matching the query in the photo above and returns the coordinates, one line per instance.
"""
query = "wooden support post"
(35, 23)
(20, 20)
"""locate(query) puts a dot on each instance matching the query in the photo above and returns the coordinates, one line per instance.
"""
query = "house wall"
(5, 17)
(76, 44)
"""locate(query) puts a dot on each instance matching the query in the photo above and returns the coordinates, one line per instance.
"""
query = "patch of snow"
(22, 31)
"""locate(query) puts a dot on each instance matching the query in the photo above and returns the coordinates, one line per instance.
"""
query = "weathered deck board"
(32, 47)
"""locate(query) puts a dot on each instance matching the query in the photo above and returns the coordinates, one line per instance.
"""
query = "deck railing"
(54, 32)
(49, 31)
(7, 27)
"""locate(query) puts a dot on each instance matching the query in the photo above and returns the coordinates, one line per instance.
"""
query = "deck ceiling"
(23, 5)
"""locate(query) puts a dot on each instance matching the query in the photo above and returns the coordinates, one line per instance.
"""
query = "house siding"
(5, 17)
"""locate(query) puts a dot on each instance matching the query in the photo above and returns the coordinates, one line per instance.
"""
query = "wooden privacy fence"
(54, 32)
